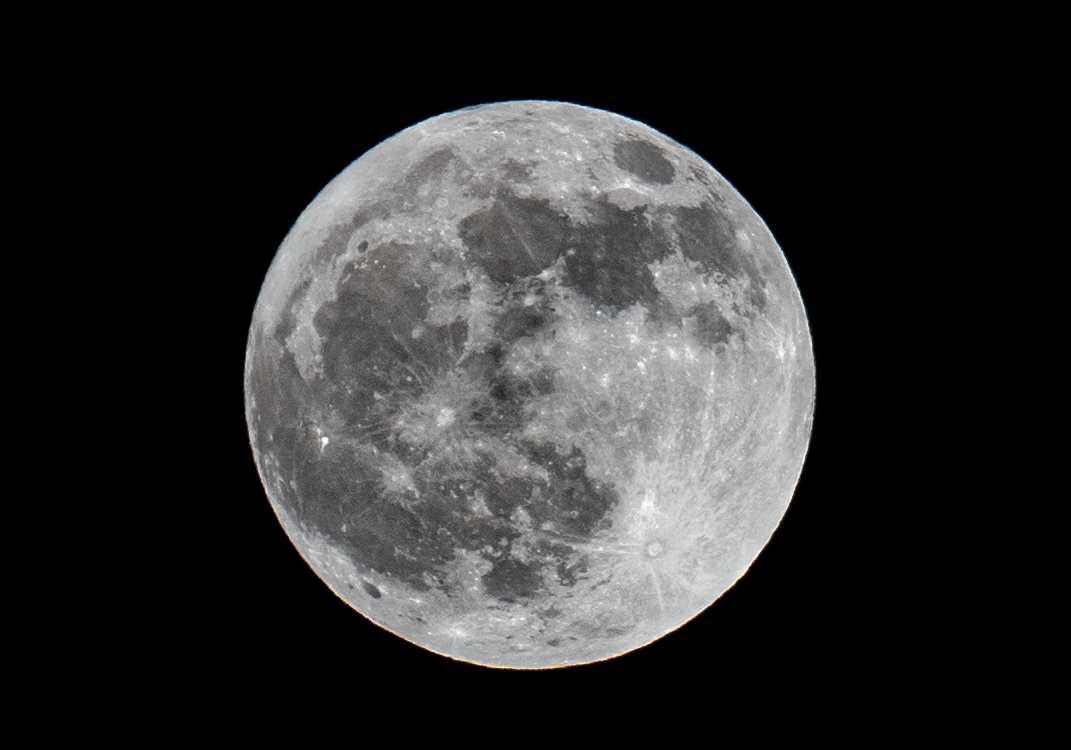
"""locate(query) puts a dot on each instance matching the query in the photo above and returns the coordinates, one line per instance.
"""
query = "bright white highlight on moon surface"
(529, 385)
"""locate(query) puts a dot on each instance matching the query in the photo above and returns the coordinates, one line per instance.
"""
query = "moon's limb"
(529, 384)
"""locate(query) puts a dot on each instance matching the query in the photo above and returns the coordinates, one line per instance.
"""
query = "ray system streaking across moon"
(529, 385)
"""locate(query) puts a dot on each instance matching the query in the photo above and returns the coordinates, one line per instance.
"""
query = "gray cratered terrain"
(529, 385)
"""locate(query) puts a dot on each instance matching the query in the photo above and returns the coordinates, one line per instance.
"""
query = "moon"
(529, 385)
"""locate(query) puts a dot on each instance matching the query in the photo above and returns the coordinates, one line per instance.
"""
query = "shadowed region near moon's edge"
(645, 160)
(521, 426)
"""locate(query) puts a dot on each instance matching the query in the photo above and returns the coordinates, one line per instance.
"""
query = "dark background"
(852, 152)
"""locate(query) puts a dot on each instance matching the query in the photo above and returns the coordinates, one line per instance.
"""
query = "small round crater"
(371, 590)
(655, 549)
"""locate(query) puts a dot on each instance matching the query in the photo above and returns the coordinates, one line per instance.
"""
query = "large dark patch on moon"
(608, 257)
(373, 369)
(503, 400)
(645, 160)
(514, 238)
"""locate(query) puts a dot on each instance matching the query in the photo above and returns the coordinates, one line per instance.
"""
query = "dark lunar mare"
(515, 237)
(711, 327)
(606, 258)
(645, 160)
(374, 367)
(369, 357)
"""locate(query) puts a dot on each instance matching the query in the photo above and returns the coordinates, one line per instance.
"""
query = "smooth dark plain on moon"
(529, 385)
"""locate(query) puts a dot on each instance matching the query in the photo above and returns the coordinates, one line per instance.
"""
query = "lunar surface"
(529, 385)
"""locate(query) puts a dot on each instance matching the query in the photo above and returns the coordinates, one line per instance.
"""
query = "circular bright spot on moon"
(654, 549)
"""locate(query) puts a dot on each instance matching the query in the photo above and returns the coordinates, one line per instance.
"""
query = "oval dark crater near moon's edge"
(529, 385)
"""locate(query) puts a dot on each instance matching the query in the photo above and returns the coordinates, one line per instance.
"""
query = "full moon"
(529, 385)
